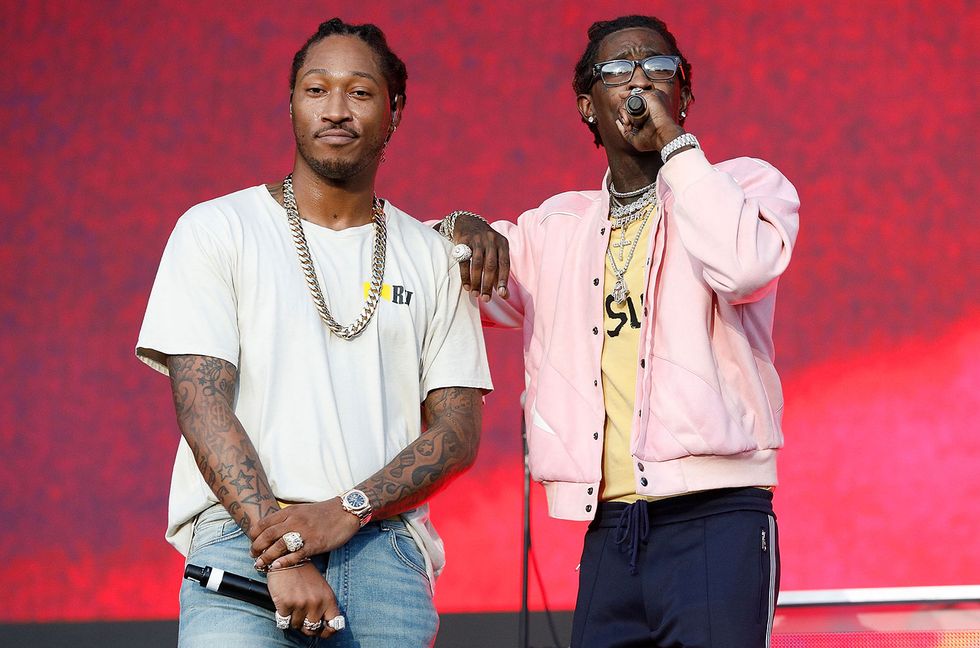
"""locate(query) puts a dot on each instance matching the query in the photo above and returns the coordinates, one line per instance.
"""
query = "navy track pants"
(694, 571)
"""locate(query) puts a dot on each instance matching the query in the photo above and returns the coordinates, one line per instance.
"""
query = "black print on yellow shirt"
(621, 316)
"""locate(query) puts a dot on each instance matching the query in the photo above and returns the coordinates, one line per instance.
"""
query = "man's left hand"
(324, 526)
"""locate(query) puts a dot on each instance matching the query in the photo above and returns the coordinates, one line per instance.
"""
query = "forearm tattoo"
(203, 389)
(447, 448)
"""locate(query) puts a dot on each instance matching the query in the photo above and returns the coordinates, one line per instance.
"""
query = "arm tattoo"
(203, 389)
(446, 449)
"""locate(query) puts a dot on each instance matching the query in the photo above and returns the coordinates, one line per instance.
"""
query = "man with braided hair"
(302, 324)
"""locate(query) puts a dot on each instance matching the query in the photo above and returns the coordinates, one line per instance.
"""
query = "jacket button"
(640, 467)
(643, 362)
(603, 231)
(595, 330)
(644, 311)
(595, 282)
(595, 383)
(590, 490)
(643, 481)
(588, 508)
(595, 435)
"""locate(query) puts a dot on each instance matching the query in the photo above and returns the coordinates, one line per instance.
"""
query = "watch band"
(678, 142)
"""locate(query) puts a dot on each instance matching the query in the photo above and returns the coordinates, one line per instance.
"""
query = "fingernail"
(466, 287)
(485, 298)
(259, 565)
(275, 565)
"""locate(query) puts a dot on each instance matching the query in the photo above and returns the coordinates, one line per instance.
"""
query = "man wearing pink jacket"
(652, 404)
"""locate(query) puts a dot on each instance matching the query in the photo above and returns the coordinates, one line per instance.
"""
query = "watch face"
(356, 500)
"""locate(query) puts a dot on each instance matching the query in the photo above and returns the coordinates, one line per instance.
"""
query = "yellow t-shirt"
(620, 355)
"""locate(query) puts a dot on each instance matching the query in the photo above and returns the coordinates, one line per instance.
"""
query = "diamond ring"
(461, 252)
(311, 626)
(338, 623)
(293, 541)
(282, 622)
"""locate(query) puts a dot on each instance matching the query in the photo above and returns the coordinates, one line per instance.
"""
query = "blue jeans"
(378, 576)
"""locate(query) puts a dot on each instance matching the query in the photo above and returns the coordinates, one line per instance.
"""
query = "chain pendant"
(620, 292)
(622, 244)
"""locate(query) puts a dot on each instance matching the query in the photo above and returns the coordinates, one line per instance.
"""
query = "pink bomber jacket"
(708, 400)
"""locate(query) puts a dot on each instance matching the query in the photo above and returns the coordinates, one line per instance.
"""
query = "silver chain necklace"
(621, 216)
(306, 263)
(619, 210)
(625, 221)
(630, 194)
(620, 291)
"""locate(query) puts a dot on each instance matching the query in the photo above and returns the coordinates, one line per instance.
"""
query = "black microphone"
(635, 105)
(233, 585)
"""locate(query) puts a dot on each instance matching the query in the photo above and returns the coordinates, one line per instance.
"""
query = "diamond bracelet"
(678, 142)
(447, 225)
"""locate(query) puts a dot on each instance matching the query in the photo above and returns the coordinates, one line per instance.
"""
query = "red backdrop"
(117, 116)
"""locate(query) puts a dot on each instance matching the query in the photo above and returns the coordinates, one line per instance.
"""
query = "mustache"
(343, 127)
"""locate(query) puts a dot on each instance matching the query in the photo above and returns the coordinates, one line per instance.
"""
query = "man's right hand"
(302, 593)
(489, 268)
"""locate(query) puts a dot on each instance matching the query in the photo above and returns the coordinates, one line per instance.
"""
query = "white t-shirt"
(323, 413)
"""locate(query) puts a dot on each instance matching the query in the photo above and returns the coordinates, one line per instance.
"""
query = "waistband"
(688, 507)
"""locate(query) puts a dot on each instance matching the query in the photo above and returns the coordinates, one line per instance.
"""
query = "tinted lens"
(659, 68)
(615, 72)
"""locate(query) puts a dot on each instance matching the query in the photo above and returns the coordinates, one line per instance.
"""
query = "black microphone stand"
(524, 625)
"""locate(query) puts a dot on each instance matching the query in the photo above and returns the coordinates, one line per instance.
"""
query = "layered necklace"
(622, 216)
(306, 263)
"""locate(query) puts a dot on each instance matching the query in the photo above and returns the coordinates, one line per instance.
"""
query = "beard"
(340, 169)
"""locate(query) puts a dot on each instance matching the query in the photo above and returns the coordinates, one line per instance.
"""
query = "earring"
(683, 115)
(591, 119)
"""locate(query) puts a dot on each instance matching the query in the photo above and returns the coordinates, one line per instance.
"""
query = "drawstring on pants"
(632, 529)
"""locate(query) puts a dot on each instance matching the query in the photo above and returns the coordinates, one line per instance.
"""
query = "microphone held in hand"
(233, 585)
(635, 105)
(250, 591)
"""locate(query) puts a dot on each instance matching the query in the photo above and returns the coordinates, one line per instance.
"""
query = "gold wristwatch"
(356, 502)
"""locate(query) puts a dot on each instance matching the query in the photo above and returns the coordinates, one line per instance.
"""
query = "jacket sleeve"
(739, 221)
